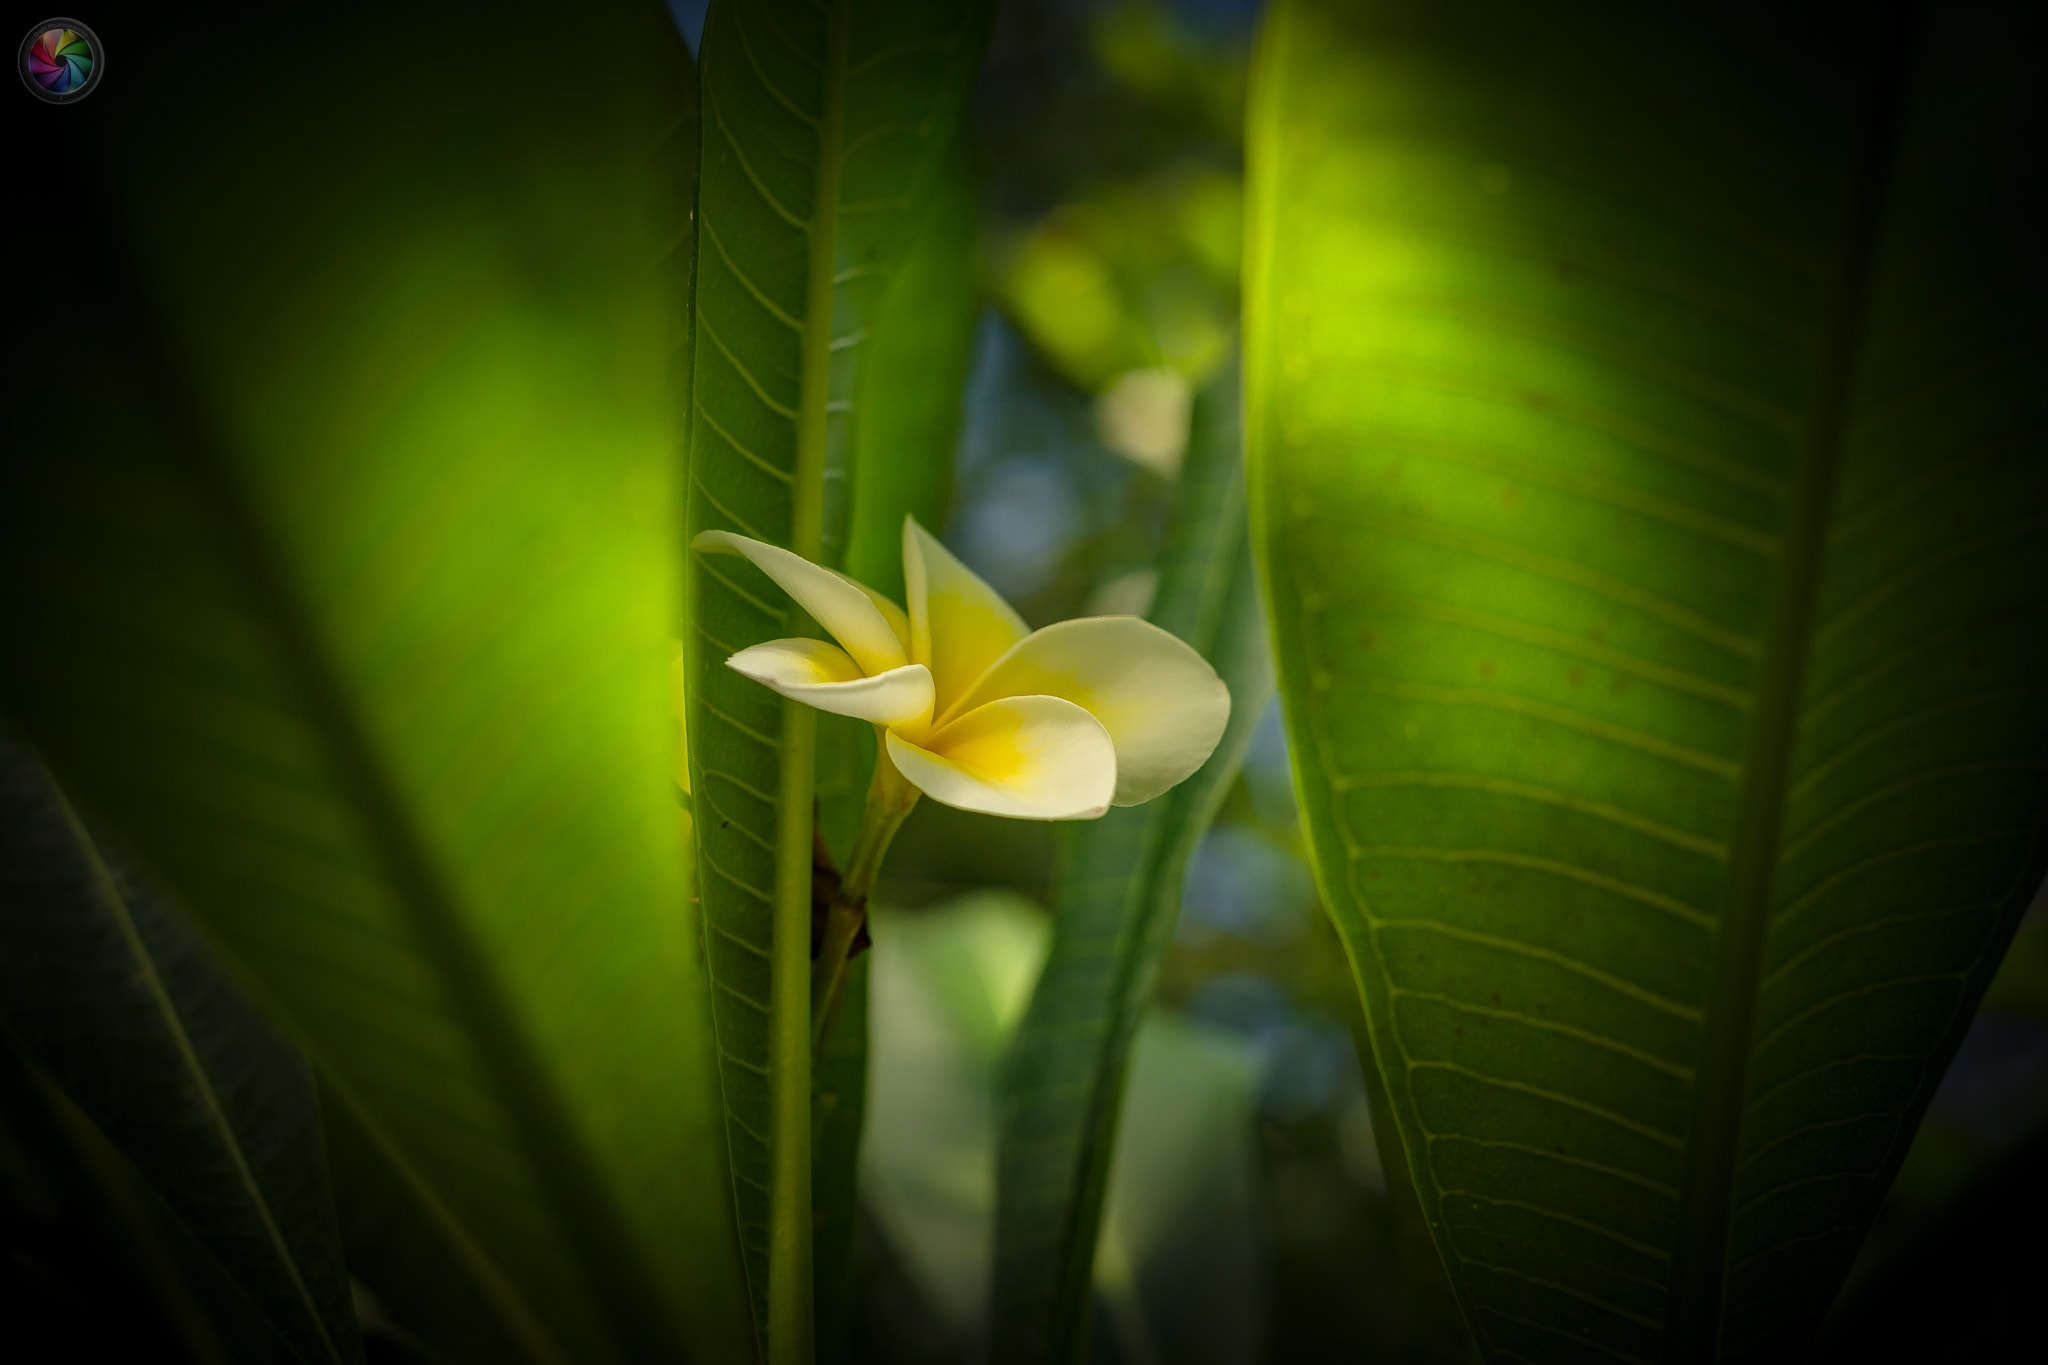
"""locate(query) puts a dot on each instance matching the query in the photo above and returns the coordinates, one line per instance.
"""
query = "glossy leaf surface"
(1647, 474)
(349, 605)
(823, 131)
(122, 1005)
(1117, 899)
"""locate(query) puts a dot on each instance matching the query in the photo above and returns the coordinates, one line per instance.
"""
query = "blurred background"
(1248, 1217)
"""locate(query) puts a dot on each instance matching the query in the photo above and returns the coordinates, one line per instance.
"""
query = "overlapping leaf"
(118, 1001)
(1117, 901)
(905, 420)
(339, 534)
(823, 131)
(1647, 472)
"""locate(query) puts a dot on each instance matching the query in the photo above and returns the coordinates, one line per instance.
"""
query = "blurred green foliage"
(1137, 275)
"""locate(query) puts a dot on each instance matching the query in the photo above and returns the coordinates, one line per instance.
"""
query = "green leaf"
(913, 380)
(343, 565)
(823, 131)
(120, 1003)
(906, 417)
(1115, 904)
(1644, 411)
(841, 1083)
(430, 1275)
(1440, 1333)
(97, 1260)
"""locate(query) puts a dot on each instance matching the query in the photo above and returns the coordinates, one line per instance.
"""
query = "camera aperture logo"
(61, 61)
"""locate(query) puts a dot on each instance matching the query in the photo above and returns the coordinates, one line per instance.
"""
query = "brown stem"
(890, 798)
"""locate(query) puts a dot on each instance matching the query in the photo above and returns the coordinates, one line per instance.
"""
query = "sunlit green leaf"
(823, 132)
(1646, 472)
(1117, 899)
(118, 1001)
(343, 563)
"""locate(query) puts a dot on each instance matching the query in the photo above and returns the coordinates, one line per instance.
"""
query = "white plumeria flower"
(979, 712)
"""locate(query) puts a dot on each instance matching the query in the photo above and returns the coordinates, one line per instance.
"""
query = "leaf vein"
(1614, 1045)
(1926, 565)
(1563, 961)
(1570, 1220)
(1622, 1121)
(1542, 566)
(780, 409)
(1689, 914)
(1562, 643)
(739, 156)
(746, 730)
(1771, 1039)
(747, 283)
(890, 54)
(747, 46)
(1867, 927)
(1591, 1300)
(1598, 1167)
(1495, 700)
(1528, 791)
(1891, 855)
(697, 480)
(779, 475)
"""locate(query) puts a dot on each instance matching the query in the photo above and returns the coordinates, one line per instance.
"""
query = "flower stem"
(890, 798)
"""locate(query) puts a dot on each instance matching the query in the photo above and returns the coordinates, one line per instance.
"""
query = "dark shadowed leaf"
(119, 1002)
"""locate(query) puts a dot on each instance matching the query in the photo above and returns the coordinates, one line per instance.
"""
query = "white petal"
(822, 675)
(1162, 704)
(1031, 758)
(834, 601)
(959, 625)
(898, 619)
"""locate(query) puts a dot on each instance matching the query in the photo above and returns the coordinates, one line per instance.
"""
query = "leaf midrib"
(790, 1269)
(1707, 1205)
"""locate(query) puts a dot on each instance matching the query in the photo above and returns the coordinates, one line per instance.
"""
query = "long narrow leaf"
(905, 422)
(823, 129)
(1116, 902)
(121, 1004)
(349, 606)
(914, 379)
(1645, 413)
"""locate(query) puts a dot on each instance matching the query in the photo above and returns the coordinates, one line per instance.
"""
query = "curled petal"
(959, 625)
(834, 601)
(822, 675)
(1161, 703)
(1030, 758)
